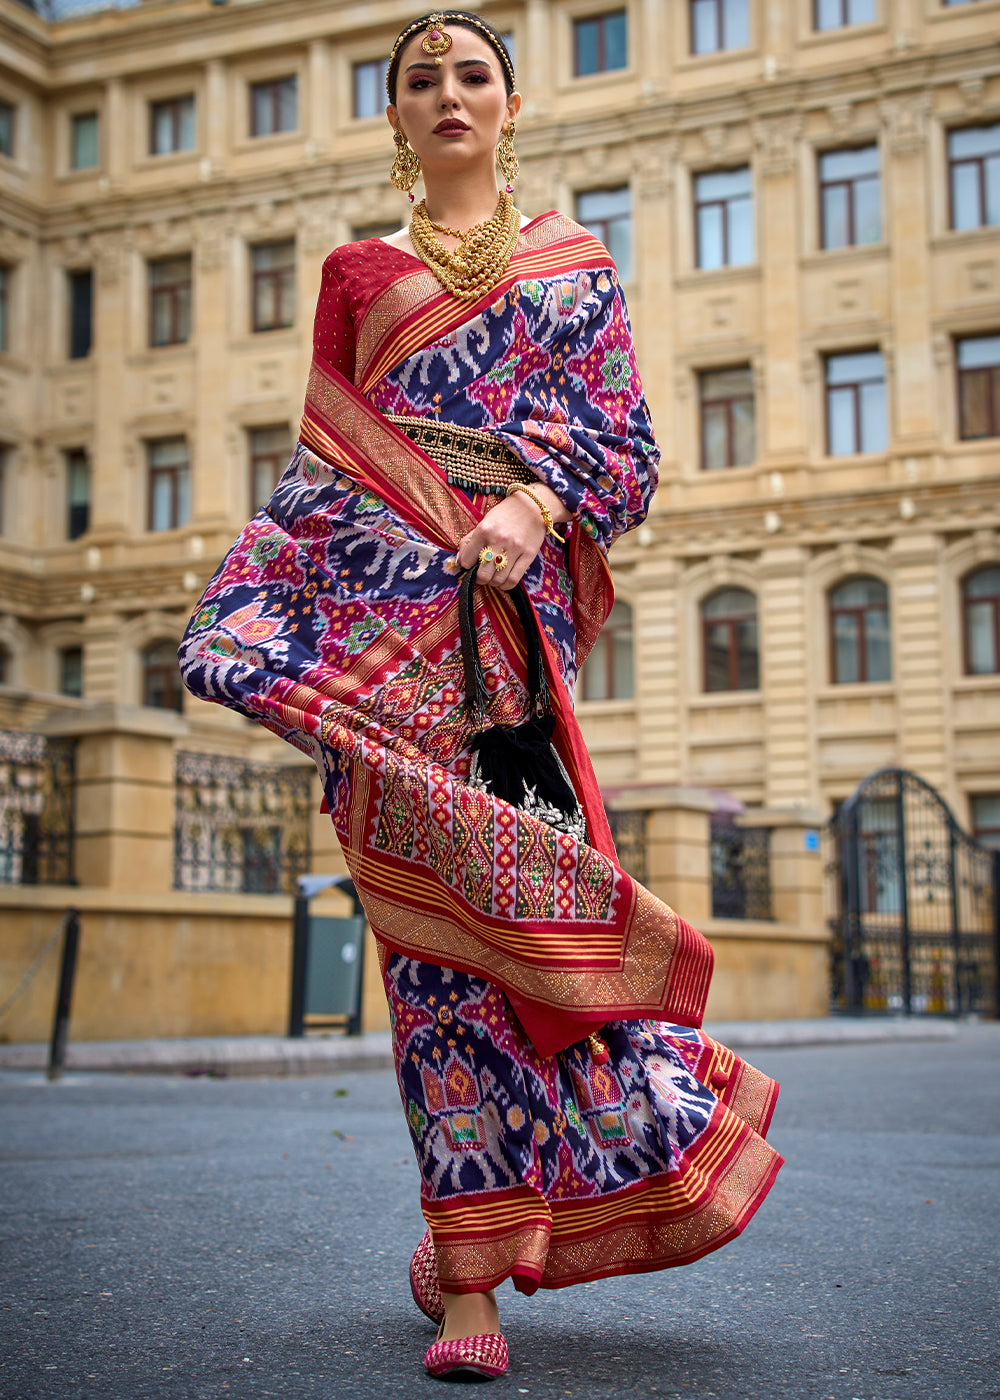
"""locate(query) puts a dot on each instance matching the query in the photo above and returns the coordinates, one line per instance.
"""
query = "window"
(978, 362)
(77, 494)
(170, 301)
(981, 621)
(83, 141)
(274, 106)
(724, 218)
(171, 125)
(3, 489)
(5, 667)
(80, 286)
(608, 672)
(859, 632)
(855, 403)
(838, 14)
(985, 812)
(5, 279)
(270, 451)
(169, 483)
(850, 200)
(272, 272)
(71, 671)
(608, 215)
(369, 88)
(974, 176)
(729, 640)
(727, 418)
(600, 43)
(6, 129)
(161, 677)
(718, 25)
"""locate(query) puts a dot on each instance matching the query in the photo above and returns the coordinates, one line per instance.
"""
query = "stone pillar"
(660, 716)
(216, 115)
(788, 728)
(212, 467)
(678, 868)
(124, 796)
(916, 624)
(796, 864)
(780, 430)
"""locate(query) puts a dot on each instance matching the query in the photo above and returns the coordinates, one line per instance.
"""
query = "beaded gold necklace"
(483, 253)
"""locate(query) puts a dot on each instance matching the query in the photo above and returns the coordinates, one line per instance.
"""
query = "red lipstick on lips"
(450, 124)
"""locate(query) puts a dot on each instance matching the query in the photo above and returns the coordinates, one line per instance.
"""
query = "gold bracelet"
(547, 516)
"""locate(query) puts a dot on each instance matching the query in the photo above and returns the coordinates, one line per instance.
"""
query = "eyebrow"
(463, 63)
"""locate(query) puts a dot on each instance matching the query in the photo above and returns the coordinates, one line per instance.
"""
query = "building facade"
(803, 198)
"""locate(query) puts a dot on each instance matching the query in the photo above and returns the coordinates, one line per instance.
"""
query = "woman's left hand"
(510, 534)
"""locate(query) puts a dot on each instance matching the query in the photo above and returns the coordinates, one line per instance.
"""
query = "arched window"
(161, 678)
(730, 651)
(981, 621)
(859, 631)
(608, 674)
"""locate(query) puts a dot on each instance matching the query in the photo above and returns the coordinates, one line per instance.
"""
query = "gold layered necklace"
(482, 255)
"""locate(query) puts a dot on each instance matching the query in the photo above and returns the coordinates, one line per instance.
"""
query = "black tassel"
(513, 758)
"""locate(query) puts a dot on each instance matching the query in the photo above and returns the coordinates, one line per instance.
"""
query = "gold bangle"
(547, 516)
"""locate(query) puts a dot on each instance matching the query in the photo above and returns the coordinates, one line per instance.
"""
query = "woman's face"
(452, 113)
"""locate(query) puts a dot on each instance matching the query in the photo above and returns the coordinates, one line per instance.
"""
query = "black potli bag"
(517, 762)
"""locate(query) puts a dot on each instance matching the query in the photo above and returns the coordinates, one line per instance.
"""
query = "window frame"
(258, 86)
(258, 459)
(599, 18)
(967, 602)
(721, 45)
(993, 399)
(164, 670)
(731, 623)
(77, 524)
(724, 203)
(980, 829)
(855, 385)
(861, 640)
(980, 161)
(730, 464)
(823, 185)
(174, 106)
(10, 152)
(92, 114)
(173, 294)
(175, 472)
(845, 22)
(381, 66)
(75, 651)
(275, 277)
(620, 627)
(74, 337)
(6, 279)
(604, 223)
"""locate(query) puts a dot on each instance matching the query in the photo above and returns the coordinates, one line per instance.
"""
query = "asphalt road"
(197, 1239)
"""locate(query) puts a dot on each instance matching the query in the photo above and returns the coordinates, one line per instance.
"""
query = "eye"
(418, 81)
(477, 75)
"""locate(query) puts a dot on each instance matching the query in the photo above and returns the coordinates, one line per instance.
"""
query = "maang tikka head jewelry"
(406, 167)
(436, 42)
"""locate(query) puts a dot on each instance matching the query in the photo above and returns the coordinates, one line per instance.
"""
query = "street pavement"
(201, 1238)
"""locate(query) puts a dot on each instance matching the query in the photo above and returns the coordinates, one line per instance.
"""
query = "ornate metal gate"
(914, 904)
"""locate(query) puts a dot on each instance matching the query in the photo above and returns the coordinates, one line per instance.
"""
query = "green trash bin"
(334, 967)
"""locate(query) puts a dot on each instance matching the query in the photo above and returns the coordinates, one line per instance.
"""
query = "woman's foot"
(469, 1339)
(469, 1315)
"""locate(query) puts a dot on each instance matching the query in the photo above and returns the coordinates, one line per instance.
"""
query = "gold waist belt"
(474, 459)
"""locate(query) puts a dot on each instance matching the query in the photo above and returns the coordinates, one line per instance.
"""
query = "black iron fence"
(741, 870)
(240, 826)
(36, 809)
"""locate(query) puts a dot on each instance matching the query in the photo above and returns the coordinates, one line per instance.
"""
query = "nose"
(449, 92)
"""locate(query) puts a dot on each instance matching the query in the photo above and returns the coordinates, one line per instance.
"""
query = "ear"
(392, 116)
(513, 105)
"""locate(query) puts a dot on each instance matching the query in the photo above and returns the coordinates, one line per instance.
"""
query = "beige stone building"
(803, 197)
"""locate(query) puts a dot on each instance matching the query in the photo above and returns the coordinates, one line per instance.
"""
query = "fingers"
(504, 543)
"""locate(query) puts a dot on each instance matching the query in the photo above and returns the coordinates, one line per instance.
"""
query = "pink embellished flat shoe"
(485, 1355)
(424, 1283)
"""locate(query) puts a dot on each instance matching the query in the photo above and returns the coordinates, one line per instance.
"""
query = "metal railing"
(741, 870)
(36, 809)
(240, 826)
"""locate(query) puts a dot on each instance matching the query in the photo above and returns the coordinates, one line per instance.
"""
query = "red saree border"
(415, 310)
(655, 1223)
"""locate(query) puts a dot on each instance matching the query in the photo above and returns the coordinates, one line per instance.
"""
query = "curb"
(278, 1057)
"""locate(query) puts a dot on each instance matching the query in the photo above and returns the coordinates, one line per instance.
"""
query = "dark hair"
(465, 19)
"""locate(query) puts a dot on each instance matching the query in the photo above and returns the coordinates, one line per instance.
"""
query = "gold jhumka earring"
(406, 167)
(507, 159)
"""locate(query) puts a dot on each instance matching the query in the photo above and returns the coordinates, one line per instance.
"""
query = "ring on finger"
(486, 555)
(499, 561)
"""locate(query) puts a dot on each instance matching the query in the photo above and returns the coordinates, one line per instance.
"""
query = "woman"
(474, 403)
